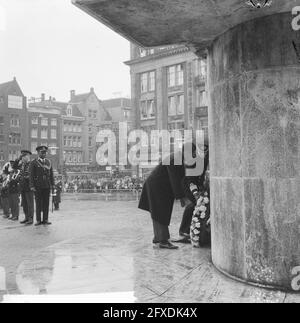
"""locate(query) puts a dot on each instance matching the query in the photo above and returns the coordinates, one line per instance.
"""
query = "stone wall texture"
(254, 119)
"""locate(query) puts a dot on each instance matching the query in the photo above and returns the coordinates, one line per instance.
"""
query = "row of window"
(72, 127)
(73, 156)
(175, 76)
(44, 133)
(44, 121)
(175, 105)
(72, 141)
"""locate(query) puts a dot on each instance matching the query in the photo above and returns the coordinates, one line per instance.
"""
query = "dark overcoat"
(161, 188)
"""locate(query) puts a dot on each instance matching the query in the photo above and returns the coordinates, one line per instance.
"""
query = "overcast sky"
(52, 47)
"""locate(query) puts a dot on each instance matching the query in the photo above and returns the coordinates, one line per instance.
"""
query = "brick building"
(13, 121)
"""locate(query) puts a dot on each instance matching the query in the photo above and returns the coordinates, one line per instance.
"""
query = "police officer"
(41, 182)
(23, 164)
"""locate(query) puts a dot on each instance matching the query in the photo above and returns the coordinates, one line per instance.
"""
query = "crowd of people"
(79, 185)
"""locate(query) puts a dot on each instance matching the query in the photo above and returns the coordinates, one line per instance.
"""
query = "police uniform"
(41, 181)
(26, 193)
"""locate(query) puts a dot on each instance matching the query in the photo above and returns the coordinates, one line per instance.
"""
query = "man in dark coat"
(160, 190)
(23, 163)
(192, 185)
(41, 182)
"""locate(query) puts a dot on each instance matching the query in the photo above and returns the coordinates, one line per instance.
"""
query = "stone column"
(254, 120)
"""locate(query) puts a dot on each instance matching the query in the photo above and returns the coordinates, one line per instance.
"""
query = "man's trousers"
(28, 205)
(42, 198)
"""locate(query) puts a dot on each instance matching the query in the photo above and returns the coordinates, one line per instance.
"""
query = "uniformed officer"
(41, 182)
(23, 163)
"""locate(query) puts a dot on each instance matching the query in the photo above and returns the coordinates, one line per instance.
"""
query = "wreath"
(200, 227)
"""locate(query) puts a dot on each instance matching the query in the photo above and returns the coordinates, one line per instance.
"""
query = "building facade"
(13, 121)
(119, 110)
(168, 87)
(74, 154)
(45, 128)
(94, 114)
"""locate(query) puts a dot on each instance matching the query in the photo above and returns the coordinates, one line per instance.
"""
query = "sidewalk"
(104, 249)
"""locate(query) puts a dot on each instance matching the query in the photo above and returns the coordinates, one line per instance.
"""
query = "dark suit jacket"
(41, 176)
(160, 190)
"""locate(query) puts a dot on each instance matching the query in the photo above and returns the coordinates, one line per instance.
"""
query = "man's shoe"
(29, 223)
(14, 219)
(24, 222)
(167, 245)
(38, 223)
(182, 239)
(47, 223)
(5, 216)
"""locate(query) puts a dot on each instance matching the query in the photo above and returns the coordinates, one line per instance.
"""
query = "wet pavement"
(101, 249)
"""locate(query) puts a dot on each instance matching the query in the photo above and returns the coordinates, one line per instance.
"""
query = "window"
(65, 127)
(201, 68)
(69, 111)
(90, 127)
(95, 114)
(201, 99)
(2, 157)
(147, 109)
(1, 99)
(34, 120)
(79, 128)
(179, 74)
(69, 142)
(74, 157)
(90, 141)
(90, 156)
(17, 139)
(126, 114)
(79, 158)
(53, 134)
(70, 127)
(90, 113)
(144, 82)
(176, 105)
(152, 81)
(15, 102)
(65, 141)
(79, 142)
(180, 104)
(74, 141)
(1, 120)
(34, 144)
(44, 122)
(14, 121)
(53, 122)
(34, 133)
(150, 109)
(148, 82)
(175, 75)
(44, 133)
(171, 76)
(171, 106)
